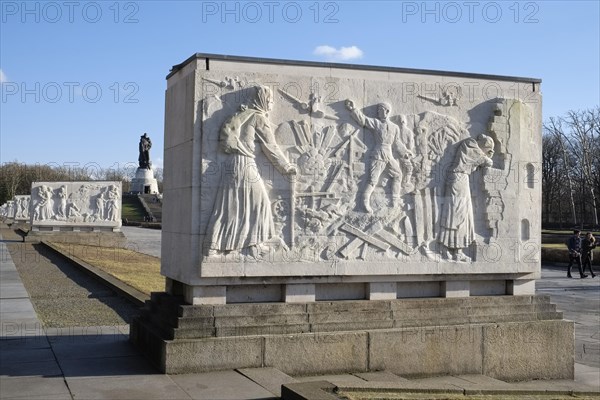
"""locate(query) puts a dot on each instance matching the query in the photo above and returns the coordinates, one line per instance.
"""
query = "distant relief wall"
(76, 206)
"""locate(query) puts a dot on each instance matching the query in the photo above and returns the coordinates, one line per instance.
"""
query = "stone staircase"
(176, 320)
(152, 204)
(503, 337)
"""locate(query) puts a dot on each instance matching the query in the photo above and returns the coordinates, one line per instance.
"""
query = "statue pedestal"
(144, 182)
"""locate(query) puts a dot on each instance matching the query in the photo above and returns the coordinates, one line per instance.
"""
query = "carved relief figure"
(242, 216)
(100, 204)
(436, 133)
(74, 212)
(25, 207)
(62, 203)
(457, 225)
(144, 147)
(21, 205)
(18, 207)
(112, 203)
(387, 139)
(44, 210)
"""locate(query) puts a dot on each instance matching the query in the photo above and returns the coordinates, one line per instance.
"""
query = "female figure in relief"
(242, 217)
(457, 230)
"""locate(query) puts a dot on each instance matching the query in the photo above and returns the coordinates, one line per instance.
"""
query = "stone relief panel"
(86, 203)
(21, 204)
(292, 177)
(8, 209)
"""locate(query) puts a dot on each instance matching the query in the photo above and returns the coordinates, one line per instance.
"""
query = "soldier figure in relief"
(387, 139)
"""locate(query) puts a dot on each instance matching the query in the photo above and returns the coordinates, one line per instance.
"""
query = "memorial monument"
(86, 212)
(322, 218)
(144, 181)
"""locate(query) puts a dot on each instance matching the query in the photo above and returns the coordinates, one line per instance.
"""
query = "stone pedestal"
(144, 182)
(510, 338)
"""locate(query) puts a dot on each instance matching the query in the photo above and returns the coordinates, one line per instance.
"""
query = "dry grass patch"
(138, 270)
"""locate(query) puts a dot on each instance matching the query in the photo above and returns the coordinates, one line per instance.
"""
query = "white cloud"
(343, 53)
(3, 77)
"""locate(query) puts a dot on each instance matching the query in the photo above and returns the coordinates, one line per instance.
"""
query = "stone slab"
(467, 382)
(380, 376)
(105, 366)
(35, 368)
(338, 380)
(138, 386)
(312, 353)
(25, 355)
(587, 375)
(93, 349)
(427, 351)
(34, 388)
(317, 390)
(221, 385)
(201, 355)
(269, 378)
(542, 347)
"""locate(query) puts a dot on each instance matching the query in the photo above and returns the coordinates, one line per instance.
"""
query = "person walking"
(587, 246)
(574, 246)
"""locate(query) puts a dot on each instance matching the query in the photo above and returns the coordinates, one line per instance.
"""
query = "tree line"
(16, 177)
(571, 170)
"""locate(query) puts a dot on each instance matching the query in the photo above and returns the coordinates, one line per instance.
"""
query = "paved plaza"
(99, 363)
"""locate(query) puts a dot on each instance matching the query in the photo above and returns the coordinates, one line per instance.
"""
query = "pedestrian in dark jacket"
(574, 245)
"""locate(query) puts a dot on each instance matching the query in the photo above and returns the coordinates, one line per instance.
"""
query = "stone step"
(349, 316)
(380, 376)
(231, 331)
(261, 320)
(352, 326)
(232, 324)
(244, 309)
(282, 324)
(350, 306)
(194, 333)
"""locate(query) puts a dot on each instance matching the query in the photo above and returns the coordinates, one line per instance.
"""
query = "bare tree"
(576, 137)
(554, 126)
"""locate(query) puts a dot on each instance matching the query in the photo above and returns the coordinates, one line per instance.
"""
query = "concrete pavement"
(143, 240)
(99, 362)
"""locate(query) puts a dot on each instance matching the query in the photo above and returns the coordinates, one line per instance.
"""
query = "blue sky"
(81, 81)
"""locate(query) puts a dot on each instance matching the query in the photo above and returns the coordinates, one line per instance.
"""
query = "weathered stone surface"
(185, 356)
(424, 351)
(471, 335)
(516, 351)
(323, 352)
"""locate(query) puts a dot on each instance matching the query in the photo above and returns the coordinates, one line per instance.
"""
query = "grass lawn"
(555, 246)
(140, 271)
(132, 209)
(565, 232)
